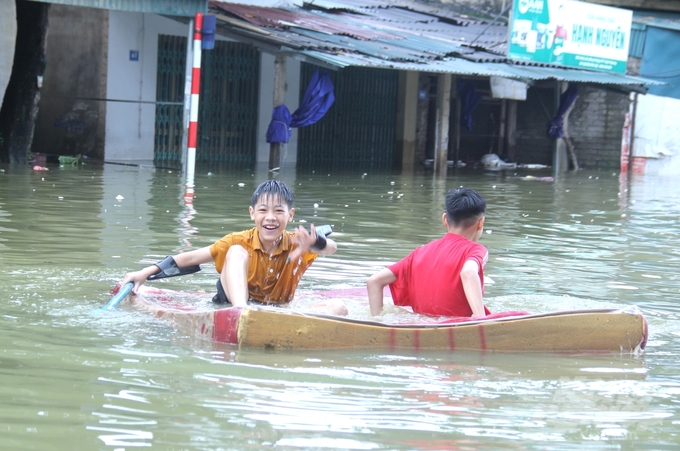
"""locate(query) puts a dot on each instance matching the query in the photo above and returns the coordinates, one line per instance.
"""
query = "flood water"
(72, 378)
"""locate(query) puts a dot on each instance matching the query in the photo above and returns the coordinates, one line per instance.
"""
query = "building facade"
(116, 90)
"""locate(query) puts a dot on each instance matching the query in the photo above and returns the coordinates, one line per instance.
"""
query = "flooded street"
(71, 374)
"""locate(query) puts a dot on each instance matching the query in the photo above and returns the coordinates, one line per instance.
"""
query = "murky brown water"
(71, 378)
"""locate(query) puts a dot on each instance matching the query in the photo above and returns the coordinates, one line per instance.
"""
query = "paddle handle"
(124, 291)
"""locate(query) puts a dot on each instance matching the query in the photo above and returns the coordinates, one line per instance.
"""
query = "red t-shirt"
(428, 279)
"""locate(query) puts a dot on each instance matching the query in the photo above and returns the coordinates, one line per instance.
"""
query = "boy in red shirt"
(444, 277)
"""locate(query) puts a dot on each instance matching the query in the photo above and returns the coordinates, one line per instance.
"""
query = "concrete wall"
(596, 127)
(69, 121)
(8, 34)
(130, 126)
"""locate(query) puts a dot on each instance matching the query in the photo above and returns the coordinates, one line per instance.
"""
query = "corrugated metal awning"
(461, 66)
(394, 34)
(669, 21)
(185, 8)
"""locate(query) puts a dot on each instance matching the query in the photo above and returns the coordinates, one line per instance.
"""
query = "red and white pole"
(193, 117)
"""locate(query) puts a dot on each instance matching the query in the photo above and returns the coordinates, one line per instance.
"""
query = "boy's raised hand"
(304, 241)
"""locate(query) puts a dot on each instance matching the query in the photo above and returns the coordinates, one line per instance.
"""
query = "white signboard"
(570, 33)
(505, 88)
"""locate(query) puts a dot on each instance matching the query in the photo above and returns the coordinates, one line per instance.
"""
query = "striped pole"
(193, 118)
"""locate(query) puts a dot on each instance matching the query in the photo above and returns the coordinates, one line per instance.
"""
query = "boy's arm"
(375, 284)
(330, 249)
(191, 258)
(195, 257)
(472, 286)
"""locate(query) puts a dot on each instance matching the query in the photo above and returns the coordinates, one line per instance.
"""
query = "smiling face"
(271, 214)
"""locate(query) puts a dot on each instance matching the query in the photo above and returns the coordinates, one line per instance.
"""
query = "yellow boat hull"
(576, 331)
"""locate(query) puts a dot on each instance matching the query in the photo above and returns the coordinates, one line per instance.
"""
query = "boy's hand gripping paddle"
(168, 268)
(124, 291)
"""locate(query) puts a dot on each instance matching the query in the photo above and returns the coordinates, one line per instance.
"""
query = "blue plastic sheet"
(556, 124)
(316, 102)
(469, 100)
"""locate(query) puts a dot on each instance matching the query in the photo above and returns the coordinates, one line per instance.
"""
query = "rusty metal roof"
(182, 8)
(391, 34)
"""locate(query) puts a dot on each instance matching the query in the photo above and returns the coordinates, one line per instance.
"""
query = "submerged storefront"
(399, 96)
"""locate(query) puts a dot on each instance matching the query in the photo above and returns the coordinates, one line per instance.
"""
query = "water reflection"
(401, 401)
(189, 212)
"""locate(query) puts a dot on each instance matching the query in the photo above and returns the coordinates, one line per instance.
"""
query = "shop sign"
(571, 34)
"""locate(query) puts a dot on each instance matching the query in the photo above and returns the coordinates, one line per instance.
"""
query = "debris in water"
(119, 197)
(538, 179)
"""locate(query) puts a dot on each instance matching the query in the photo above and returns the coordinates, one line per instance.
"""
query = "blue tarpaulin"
(317, 100)
(469, 99)
(567, 98)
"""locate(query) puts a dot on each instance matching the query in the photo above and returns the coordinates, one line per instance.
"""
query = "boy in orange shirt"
(262, 265)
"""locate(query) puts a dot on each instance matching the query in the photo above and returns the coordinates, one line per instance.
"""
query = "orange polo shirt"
(270, 279)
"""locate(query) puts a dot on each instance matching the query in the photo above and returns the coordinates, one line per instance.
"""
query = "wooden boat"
(573, 331)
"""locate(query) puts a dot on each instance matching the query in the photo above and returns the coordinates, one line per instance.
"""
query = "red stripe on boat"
(393, 338)
(452, 339)
(482, 338)
(225, 327)
(416, 339)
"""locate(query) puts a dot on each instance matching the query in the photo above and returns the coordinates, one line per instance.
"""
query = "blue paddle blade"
(124, 291)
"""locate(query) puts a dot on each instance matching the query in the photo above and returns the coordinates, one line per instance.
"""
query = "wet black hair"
(464, 207)
(274, 188)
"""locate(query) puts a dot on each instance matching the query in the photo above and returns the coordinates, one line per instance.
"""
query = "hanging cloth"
(567, 98)
(469, 100)
(279, 127)
(317, 100)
